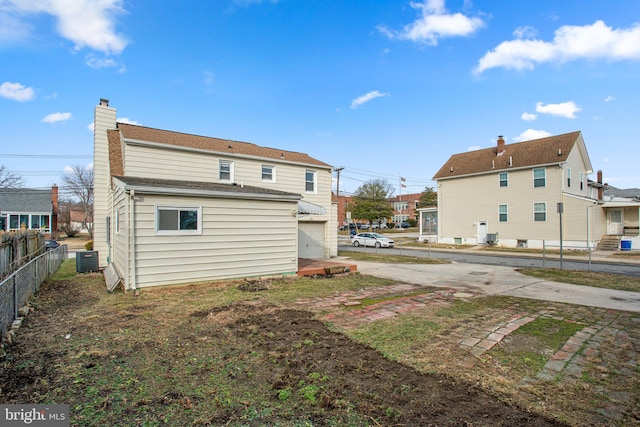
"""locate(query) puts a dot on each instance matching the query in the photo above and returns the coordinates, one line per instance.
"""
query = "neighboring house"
(29, 209)
(80, 221)
(175, 208)
(622, 212)
(512, 192)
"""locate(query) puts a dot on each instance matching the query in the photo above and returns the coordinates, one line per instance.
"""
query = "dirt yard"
(215, 354)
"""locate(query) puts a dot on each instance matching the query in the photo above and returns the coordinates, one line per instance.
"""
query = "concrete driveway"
(495, 280)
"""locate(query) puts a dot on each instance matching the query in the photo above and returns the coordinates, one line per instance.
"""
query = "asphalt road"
(627, 269)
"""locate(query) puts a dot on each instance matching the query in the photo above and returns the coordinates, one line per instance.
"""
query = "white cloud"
(530, 134)
(366, 98)
(474, 148)
(16, 91)
(524, 32)
(56, 117)
(97, 63)
(528, 116)
(434, 23)
(91, 127)
(87, 23)
(564, 109)
(570, 42)
(609, 98)
(127, 121)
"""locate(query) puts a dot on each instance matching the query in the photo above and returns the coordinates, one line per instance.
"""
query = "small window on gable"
(310, 181)
(226, 170)
(540, 177)
(504, 179)
(540, 211)
(503, 213)
(178, 220)
(568, 177)
(268, 173)
(581, 181)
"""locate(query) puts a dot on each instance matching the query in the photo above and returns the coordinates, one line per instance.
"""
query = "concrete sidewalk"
(496, 280)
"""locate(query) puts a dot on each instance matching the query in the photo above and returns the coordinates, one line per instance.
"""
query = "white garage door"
(310, 240)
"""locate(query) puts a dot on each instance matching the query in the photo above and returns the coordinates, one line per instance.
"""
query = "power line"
(48, 156)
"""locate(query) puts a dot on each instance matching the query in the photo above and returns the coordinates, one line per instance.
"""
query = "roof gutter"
(211, 193)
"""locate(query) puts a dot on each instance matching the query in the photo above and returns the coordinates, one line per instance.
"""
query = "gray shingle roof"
(25, 200)
(177, 186)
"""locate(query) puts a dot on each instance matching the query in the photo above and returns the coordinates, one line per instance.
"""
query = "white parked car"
(371, 239)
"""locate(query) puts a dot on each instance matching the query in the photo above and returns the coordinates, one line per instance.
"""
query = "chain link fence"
(18, 287)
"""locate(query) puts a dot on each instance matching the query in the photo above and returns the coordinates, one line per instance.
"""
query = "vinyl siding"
(154, 162)
(104, 118)
(239, 239)
(120, 240)
(462, 202)
(576, 164)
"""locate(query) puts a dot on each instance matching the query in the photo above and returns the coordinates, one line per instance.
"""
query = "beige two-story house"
(513, 194)
(172, 207)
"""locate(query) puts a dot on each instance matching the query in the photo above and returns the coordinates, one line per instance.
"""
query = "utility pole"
(338, 170)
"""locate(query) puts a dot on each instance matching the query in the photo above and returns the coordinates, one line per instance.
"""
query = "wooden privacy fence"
(17, 248)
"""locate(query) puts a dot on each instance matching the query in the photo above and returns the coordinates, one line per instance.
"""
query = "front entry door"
(615, 223)
(482, 232)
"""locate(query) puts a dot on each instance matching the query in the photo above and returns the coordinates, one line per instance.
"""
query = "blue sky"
(385, 88)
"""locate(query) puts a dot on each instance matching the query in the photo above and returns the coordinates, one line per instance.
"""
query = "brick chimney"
(600, 188)
(501, 148)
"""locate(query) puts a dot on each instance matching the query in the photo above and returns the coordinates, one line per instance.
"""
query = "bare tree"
(79, 182)
(10, 179)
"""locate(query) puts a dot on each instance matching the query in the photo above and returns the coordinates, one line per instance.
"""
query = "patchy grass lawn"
(223, 353)
(376, 255)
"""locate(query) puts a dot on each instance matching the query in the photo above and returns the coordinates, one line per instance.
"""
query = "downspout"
(132, 243)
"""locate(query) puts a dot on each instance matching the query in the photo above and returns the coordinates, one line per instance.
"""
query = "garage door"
(310, 240)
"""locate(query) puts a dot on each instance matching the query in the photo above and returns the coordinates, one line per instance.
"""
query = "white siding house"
(174, 208)
(512, 192)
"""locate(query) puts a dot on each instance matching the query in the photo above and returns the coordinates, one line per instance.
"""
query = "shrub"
(89, 245)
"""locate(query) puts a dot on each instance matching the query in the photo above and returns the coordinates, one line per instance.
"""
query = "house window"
(568, 177)
(268, 173)
(14, 222)
(504, 179)
(581, 181)
(503, 213)
(310, 181)
(226, 170)
(539, 177)
(540, 211)
(178, 220)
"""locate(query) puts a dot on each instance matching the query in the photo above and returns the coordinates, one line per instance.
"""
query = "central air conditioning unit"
(492, 238)
(86, 261)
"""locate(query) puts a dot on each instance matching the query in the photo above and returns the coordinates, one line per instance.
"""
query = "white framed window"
(310, 181)
(178, 220)
(226, 171)
(540, 177)
(503, 213)
(540, 211)
(268, 173)
(568, 177)
(504, 179)
(581, 181)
